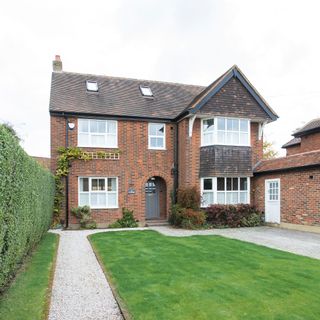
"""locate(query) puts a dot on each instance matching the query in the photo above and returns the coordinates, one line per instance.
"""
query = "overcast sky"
(275, 43)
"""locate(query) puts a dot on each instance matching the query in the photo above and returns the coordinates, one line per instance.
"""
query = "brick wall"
(136, 165)
(299, 200)
(309, 142)
(293, 150)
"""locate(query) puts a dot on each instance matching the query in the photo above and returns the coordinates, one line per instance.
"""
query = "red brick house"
(287, 189)
(169, 135)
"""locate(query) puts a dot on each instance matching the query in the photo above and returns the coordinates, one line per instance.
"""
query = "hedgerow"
(26, 204)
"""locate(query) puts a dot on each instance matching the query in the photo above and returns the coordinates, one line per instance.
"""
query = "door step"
(157, 223)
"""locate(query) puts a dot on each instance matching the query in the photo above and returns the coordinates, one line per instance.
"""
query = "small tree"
(268, 150)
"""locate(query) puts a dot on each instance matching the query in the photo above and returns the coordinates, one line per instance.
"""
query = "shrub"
(242, 215)
(26, 203)
(186, 218)
(127, 220)
(84, 216)
(189, 198)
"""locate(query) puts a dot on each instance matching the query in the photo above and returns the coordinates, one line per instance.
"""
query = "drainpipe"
(67, 178)
(175, 166)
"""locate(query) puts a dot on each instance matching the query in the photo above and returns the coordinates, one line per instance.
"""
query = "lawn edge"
(46, 310)
(122, 307)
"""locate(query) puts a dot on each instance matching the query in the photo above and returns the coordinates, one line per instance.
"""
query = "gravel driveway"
(298, 242)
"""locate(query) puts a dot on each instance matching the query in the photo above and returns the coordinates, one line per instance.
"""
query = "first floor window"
(225, 190)
(98, 192)
(156, 135)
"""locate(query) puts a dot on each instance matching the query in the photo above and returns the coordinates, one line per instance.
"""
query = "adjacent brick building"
(294, 181)
(169, 136)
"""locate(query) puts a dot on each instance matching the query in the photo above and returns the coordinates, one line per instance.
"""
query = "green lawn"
(28, 296)
(207, 277)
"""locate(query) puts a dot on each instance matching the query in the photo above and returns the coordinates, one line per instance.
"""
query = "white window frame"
(215, 132)
(90, 145)
(105, 191)
(215, 189)
(155, 136)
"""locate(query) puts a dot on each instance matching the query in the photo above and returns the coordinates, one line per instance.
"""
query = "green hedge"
(26, 204)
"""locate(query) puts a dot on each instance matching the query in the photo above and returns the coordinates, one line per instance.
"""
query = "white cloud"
(275, 43)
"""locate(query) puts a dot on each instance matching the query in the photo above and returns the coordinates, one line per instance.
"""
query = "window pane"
(243, 184)
(234, 183)
(159, 142)
(101, 126)
(244, 138)
(207, 184)
(221, 137)
(156, 129)
(98, 199)
(84, 184)
(207, 198)
(153, 142)
(112, 127)
(235, 125)
(243, 197)
(111, 140)
(93, 126)
(232, 197)
(83, 125)
(208, 138)
(208, 125)
(220, 184)
(229, 183)
(112, 184)
(84, 199)
(229, 137)
(98, 184)
(244, 126)
(235, 138)
(221, 124)
(98, 140)
(84, 139)
(112, 200)
(220, 197)
(229, 124)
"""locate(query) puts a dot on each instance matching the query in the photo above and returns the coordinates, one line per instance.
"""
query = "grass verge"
(28, 297)
(207, 277)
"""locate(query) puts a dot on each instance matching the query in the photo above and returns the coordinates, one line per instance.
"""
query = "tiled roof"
(292, 142)
(299, 160)
(310, 126)
(119, 96)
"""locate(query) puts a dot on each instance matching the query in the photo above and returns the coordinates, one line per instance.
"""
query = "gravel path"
(298, 242)
(80, 290)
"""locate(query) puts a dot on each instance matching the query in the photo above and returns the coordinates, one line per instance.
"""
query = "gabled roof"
(292, 142)
(311, 126)
(199, 101)
(118, 96)
(121, 97)
(300, 160)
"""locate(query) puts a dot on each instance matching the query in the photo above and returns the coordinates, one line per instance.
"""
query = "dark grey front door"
(152, 200)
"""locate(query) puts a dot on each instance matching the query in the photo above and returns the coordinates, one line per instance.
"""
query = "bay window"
(97, 133)
(225, 131)
(98, 193)
(225, 190)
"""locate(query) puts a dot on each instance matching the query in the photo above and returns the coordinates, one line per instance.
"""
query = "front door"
(152, 199)
(272, 200)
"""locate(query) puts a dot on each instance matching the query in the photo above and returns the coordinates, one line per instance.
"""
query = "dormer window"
(92, 86)
(146, 91)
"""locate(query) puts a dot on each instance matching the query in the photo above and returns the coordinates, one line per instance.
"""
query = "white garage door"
(272, 200)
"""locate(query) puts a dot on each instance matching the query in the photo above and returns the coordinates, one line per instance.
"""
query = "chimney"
(57, 64)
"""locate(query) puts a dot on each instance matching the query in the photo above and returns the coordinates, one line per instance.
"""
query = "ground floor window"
(225, 190)
(98, 193)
